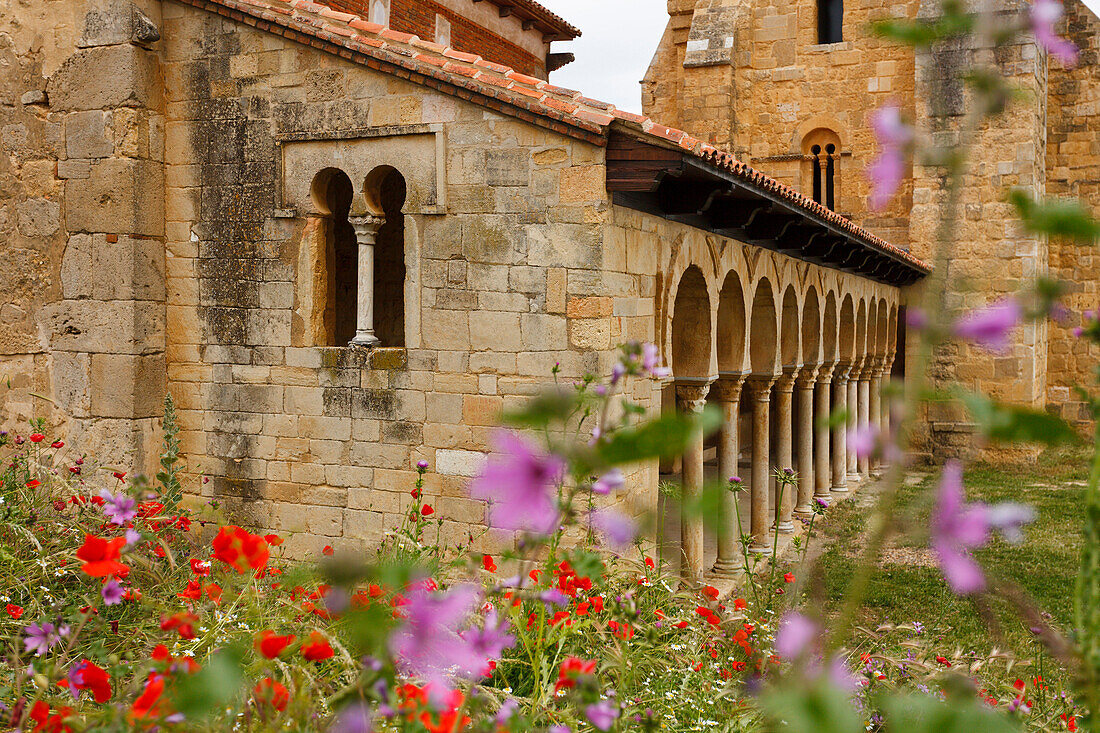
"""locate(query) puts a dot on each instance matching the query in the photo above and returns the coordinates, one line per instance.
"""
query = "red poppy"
(427, 510)
(182, 622)
(200, 567)
(100, 556)
(214, 592)
(269, 692)
(37, 437)
(597, 603)
(328, 551)
(33, 483)
(788, 577)
(13, 610)
(710, 592)
(240, 550)
(46, 723)
(193, 591)
(488, 564)
(57, 445)
(120, 475)
(649, 563)
(148, 705)
(739, 604)
(273, 539)
(943, 661)
(317, 648)
(572, 669)
(90, 676)
(271, 645)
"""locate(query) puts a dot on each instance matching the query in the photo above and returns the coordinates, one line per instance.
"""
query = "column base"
(839, 490)
(364, 340)
(854, 478)
(803, 512)
(727, 568)
(761, 549)
(827, 498)
(784, 528)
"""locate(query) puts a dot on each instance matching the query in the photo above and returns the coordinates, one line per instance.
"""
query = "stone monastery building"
(345, 237)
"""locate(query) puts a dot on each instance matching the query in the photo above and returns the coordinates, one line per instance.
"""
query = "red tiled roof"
(535, 11)
(501, 88)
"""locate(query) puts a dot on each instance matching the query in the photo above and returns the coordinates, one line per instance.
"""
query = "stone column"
(887, 384)
(692, 397)
(853, 419)
(727, 392)
(807, 378)
(864, 415)
(784, 424)
(366, 229)
(760, 388)
(822, 472)
(840, 434)
(876, 404)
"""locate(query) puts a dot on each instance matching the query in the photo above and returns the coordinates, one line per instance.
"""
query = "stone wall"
(507, 262)
(785, 85)
(1073, 169)
(85, 328)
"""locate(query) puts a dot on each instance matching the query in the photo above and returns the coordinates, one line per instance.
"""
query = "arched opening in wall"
(811, 329)
(847, 333)
(691, 327)
(897, 337)
(731, 326)
(830, 21)
(821, 166)
(332, 193)
(789, 327)
(386, 192)
(828, 331)
(763, 339)
(883, 330)
(861, 330)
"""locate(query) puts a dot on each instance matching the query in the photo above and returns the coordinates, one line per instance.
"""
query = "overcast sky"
(619, 39)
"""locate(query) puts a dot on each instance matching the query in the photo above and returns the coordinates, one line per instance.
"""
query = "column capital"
(759, 386)
(842, 372)
(786, 381)
(366, 227)
(825, 372)
(692, 396)
(727, 388)
(807, 377)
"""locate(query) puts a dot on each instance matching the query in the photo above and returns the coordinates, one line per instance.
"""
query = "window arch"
(332, 194)
(386, 190)
(830, 21)
(821, 166)
(380, 12)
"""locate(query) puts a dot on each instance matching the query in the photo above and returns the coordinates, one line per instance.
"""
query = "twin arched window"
(821, 168)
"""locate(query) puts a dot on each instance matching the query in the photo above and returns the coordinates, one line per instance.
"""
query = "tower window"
(821, 169)
(830, 21)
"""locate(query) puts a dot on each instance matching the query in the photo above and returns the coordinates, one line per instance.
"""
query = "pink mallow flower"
(617, 529)
(118, 508)
(959, 527)
(428, 645)
(1045, 15)
(519, 481)
(991, 326)
(887, 171)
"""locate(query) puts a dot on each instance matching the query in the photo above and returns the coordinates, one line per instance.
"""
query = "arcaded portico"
(779, 345)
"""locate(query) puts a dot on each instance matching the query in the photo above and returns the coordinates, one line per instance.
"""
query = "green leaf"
(550, 407)
(818, 707)
(1056, 217)
(210, 689)
(925, 714)
(1014, 424)
(666, 436)
(922, 33)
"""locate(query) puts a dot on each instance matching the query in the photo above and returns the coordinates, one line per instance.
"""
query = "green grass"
(1044, 566)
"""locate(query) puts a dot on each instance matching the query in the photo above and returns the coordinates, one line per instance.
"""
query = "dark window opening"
(830, 176)
(389, 263)
(334, 189)
(816, 151)
(830, 21)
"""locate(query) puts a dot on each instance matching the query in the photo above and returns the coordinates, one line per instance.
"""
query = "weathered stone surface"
(107, 77)
(38, 217)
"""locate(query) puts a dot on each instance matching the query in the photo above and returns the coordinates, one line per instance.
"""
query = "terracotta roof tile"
(565, 110)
